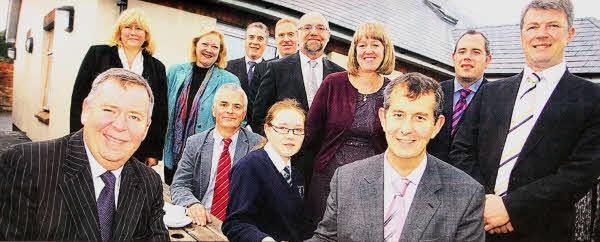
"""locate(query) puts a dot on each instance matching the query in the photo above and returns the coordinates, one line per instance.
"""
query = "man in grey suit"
(201, 182)
(404, 194)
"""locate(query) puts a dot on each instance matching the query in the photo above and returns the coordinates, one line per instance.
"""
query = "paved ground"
(7, 136)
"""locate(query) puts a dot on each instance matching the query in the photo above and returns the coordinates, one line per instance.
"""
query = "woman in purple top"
(342, 124)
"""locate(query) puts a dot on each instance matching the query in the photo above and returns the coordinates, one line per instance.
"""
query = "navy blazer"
(261, 203)
(559, 162)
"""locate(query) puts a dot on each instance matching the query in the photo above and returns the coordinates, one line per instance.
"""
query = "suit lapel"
(327, 68)
(130, 203)
(424, 204)
(206, 154)
(77, 190)
(448, 104)
(371, 196)
(211, 86)
(241, 148)
(294, 66)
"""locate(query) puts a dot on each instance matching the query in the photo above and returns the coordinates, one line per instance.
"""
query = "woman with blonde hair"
(130, 47)
(191, 89)
(265, 191)
(343, 125)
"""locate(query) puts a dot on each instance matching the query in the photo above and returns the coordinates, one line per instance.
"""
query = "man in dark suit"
(255, 43)
(532, 139)
(286, 39)
(297, 76)
(471, 57)
(404, 194)
(196, 184)
(87, 185)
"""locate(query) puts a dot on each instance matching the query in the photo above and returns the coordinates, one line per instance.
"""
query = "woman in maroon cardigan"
(342, 124)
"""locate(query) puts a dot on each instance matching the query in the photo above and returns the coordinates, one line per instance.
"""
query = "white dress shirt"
(549, 79)
(389, 175)
(97, 171)
(138, 63)
(218, 145)
(276, 159)
(246, 59)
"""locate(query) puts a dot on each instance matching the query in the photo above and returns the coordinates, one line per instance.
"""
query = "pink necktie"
(395, 216)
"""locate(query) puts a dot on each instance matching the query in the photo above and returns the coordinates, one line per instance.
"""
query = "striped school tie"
(520, 126)
(395, 216)
(287, 175)
(221, 193)
(460, 108)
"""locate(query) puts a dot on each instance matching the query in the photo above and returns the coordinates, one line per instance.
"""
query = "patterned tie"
(251, 65)
(395, 216)
(312, 87)
(460, 108)
(520, 126)
(287, 176)
(106, 205)
(221, 193)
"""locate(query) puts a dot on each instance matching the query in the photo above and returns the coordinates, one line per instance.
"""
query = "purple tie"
(395, 216)
(251, 65)
(106, 205)
(460, 108)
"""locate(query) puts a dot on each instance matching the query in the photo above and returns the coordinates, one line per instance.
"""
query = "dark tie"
(460, 108)
(221, 193)
(251, 65)
(286, 175)
(106, 205)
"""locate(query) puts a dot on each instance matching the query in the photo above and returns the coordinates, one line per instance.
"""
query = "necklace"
(364, 97)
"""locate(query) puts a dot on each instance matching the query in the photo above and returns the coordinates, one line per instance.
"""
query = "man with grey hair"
(255, 43)
(87, 185)
(201, 182)
(404, 194)
(532, 139)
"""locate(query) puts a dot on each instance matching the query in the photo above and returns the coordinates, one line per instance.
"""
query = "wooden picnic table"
(209, 232)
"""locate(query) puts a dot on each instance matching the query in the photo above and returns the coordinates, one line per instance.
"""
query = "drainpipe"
(122, 5)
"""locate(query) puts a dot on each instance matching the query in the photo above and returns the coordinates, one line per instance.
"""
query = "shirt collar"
(96, 168)
(414, 177)
(304, 59)
(474, 87)
(219, 138)
(552, 74)
(246, 59)
(275, 157)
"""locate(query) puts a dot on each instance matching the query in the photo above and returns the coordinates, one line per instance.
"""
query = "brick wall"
(6, 86)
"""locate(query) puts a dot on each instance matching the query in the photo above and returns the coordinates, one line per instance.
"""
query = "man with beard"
(471, 57)
(297, 76)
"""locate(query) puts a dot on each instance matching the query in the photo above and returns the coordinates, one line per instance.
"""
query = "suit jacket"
(559, 162)
(47, 193)
(283, 80)
(440, 145)
(192, 177)
(238, 68)
(260, 71)
(100, 58)
(447, 206)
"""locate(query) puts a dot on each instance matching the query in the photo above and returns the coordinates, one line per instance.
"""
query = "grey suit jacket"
(448, 205)
(193, 174)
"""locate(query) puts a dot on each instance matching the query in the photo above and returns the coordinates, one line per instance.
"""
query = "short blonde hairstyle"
(128, 17)
(372, 30)
(286, 20)
(222, 59)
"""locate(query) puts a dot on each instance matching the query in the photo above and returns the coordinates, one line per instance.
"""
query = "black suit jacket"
(238, 68)
(440, 145)
(283, 80)
(559, 162)
(100, 58)
(47, 193)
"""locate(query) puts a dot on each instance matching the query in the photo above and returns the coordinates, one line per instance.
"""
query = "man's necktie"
(395, 216)
(221, 193)
(251, 65)
(460, 108)
(312, 87)
(106, 205)
(520, 126)
(286, 175)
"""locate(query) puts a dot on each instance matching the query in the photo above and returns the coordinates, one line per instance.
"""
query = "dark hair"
(563, 5)
(474, 32)
(417, 85)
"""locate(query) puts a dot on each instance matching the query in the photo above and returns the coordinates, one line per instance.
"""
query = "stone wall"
(6, 86)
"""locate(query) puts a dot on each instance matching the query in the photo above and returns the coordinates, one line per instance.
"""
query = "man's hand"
(198, 214)
(150, 162)
(495, 215)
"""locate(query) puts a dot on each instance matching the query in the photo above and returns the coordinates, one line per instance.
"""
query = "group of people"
(297, 148)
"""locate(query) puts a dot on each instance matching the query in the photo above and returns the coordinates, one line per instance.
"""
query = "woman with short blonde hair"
(191, 89)
(130, 46)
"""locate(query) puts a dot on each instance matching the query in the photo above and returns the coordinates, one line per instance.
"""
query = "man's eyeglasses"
(308, 27)
(284, 130)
